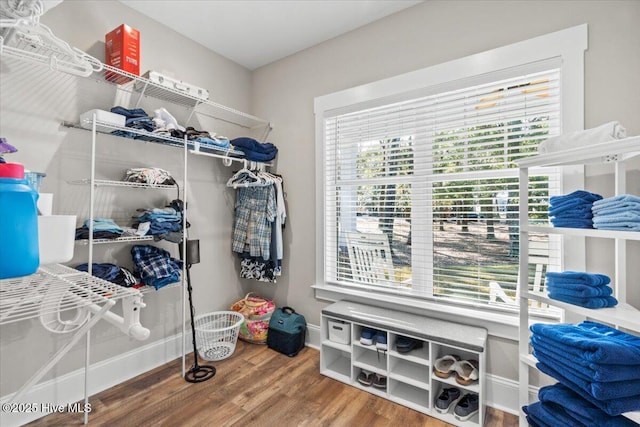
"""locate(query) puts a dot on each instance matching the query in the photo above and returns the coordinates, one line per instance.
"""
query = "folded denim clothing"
(612, 407)
(599, 390)
(579, 290)
(579, 409)
(595, 371)
(104, 224)
(254, 150)
(542, 416)
(129, 113)
(595, 279)
(593, 341)
(216, 141)
(613, 201)
(588, 302)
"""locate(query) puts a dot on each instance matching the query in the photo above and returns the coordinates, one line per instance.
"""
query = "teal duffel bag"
(287, 330)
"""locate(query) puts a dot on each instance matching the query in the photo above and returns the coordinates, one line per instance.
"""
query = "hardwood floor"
(255, 386)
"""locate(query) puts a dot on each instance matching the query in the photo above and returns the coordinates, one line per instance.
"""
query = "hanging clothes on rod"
(259, 217)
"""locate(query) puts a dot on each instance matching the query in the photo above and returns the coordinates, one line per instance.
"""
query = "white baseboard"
(501, 393)
(102, 375)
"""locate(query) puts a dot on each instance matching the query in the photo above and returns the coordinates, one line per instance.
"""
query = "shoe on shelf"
(446, 365)
(380, 339)
(380, 381)
(466, 371)
(466, 407)
(366, 336)
(447, 398)
(406, 344)
(365, 377)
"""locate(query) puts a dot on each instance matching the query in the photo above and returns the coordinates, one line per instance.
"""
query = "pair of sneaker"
(370, 336)
(368, 378)
(465, 407)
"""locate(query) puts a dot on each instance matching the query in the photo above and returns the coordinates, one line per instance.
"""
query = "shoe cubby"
(408, 395)
(406, 371)
(440, 351)
(413, 344)
(419, 352)
(449, 416)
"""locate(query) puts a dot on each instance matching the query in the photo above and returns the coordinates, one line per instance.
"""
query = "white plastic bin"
(339, 331)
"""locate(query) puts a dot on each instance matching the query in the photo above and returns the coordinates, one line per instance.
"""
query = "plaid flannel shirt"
(255, 211)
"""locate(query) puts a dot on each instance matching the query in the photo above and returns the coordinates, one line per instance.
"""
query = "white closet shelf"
(146, 87)
(160, 139)
(583, 232)
(624, 315)
(604, 152)
(127, 184)
(52, 289)
(125, 239)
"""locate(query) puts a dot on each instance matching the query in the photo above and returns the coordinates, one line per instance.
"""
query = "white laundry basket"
(217, 334)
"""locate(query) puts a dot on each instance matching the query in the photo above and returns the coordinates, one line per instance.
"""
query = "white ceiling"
(254, 33)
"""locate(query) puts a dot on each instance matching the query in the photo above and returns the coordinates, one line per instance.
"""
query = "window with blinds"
(421, 196)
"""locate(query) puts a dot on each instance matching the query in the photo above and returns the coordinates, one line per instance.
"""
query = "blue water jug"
(19, 254)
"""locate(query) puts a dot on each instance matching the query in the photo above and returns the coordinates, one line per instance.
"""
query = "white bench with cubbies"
(404, 377)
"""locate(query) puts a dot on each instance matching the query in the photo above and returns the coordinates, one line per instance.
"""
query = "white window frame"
(567, 45)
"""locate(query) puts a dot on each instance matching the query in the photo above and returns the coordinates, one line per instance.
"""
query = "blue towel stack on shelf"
(573, 210)
(559, 406)
(584, 289)
(597, 362)
(617, 213)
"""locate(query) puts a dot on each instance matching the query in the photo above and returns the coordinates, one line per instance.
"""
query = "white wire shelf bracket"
(52, 289)
(126, 184)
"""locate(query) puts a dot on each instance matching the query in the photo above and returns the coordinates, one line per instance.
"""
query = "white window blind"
(421, 195)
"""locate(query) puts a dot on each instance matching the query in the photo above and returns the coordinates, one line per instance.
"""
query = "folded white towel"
(606, 132)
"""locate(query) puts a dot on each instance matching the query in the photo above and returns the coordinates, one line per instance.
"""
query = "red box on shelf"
(122, 50)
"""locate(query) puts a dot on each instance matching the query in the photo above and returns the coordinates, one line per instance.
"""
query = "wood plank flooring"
(256, 386)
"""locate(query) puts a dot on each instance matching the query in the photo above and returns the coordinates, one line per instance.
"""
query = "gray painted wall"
(424, 35)
(34, 102)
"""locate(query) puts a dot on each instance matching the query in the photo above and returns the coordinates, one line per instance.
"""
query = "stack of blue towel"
(617, 213)
(599, 363)
(573, 210)
(559, 406)
(584, 289)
